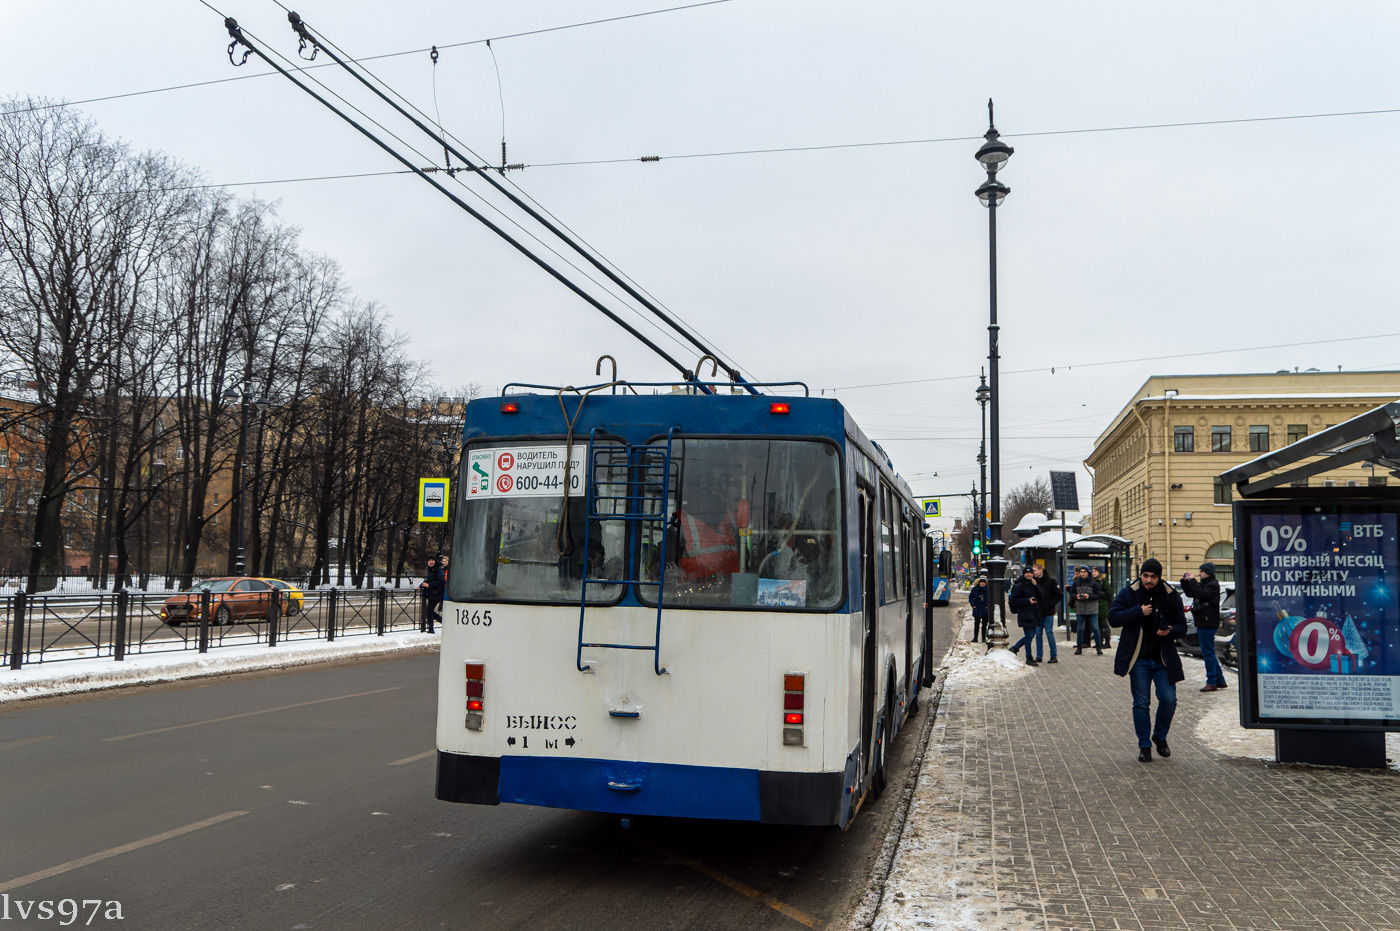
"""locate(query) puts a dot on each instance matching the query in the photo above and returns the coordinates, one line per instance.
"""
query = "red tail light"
(779, 407)
(510, 407)
(794, 700)
(476, 691)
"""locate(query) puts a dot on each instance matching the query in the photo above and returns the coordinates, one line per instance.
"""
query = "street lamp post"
(993, 155)
(984, 394)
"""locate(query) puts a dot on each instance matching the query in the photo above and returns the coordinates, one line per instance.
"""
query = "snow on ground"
(1219, 728)
(944, 874)
(970, 664)
(85, 675)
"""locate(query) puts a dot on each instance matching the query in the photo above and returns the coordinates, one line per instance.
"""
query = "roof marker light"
(779, 407)
(510, 407)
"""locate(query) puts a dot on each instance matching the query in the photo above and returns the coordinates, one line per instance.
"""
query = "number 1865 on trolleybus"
(682, 604)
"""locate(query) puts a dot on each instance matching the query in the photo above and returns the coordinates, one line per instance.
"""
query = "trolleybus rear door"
(869, 611)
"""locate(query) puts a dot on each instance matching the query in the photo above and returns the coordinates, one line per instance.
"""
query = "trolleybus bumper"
(664, 789)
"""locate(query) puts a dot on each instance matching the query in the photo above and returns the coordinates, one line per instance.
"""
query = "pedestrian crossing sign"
(933, 507)
(432, 500)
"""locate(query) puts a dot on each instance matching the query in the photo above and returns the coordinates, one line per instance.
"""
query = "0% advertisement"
(1272, 538)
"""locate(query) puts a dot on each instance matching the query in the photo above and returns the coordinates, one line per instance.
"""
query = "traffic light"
(976, 547)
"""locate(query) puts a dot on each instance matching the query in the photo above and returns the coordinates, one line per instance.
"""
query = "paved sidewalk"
(1032, 811)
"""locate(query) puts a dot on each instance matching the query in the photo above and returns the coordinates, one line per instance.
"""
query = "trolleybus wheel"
(880, 778)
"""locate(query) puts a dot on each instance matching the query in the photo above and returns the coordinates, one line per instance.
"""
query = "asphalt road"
(304, 800)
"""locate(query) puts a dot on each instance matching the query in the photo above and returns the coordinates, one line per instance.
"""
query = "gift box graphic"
(1343, 661)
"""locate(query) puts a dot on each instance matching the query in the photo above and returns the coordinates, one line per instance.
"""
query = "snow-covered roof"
(1030, 524)
(1050, 540)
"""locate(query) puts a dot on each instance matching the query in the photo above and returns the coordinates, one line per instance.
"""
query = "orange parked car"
(231, 599)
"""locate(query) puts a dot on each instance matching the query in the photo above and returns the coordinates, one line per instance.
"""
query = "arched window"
(1117, 519)
(1223, 555)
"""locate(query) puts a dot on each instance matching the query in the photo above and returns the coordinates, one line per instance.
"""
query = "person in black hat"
(977, 599)
(1024, 601)
(1205, 611)
(432, 585)
(1151, 615)
(1084, 595)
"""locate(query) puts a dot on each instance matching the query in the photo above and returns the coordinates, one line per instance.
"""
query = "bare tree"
(84, 222)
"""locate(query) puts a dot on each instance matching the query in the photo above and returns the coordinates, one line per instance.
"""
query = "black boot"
(1145, 755)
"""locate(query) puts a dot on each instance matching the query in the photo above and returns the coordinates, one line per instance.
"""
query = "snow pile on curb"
(944, 873)
(86, 675)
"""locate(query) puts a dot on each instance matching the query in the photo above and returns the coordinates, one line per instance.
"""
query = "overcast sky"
(841, 267)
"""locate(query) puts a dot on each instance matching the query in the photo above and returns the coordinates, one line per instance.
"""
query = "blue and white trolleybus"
(681, 604)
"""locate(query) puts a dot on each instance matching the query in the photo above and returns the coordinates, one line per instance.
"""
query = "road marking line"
(781, 907)
(414, 759)
(124, 848)
(6, 745)
(246, 714)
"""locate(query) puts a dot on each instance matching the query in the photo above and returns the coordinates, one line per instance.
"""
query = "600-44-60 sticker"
(525, 471)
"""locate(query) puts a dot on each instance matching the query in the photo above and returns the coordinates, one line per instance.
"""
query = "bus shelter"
(1317, 588)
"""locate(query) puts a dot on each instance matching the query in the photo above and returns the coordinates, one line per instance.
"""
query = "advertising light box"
(1319, 614)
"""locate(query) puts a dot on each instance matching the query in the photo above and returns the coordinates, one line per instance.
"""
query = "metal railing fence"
(116, 625)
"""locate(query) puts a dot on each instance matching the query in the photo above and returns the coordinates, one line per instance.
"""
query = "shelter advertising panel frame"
(1251, 599)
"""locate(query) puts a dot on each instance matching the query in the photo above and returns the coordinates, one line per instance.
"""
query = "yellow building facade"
(1156, 467)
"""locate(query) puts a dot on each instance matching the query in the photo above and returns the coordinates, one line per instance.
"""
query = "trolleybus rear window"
(528, 545)
(752, 523)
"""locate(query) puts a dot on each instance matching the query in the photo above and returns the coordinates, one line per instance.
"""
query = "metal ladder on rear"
(632, 485)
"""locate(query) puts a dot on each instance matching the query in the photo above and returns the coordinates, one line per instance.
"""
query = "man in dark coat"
(432, 585)
(977, 598)
(1205, 611)
(1151, 615)
(1025, 603)
(1049, 599)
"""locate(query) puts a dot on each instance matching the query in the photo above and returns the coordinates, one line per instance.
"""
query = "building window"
(1301, 483)
(1223, 555)
(1222, 491)
(1185, 440)
(1296, 431)
(4, 458)
(179, 453)
(1373, 480)
(1259, 439)
(1220, 439)
(1352, 483)
(1329, 483)
(20, 461)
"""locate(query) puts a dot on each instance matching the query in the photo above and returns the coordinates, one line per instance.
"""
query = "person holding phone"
(1151, 616)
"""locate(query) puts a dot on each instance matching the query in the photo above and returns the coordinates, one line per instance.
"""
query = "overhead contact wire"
(239, 39)
(306, 32)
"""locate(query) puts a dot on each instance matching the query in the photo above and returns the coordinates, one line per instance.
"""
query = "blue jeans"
(1141, 677)
(1049, 624)
(1089, 624)
(1026, 640)
(1214, 674)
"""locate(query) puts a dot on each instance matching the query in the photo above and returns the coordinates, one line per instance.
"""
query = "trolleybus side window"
(886, 545)
(531, 548)
(753, 523)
